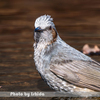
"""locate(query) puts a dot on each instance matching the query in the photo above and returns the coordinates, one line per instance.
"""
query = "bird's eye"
(50, 28)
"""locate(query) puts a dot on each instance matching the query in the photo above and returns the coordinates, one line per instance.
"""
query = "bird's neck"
(41, 45)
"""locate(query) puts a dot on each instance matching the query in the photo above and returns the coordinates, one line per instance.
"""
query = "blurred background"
(77, 22)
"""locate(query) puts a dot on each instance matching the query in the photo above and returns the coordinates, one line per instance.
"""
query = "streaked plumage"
(60, 65)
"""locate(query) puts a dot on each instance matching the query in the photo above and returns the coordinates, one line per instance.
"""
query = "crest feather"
(44, 21)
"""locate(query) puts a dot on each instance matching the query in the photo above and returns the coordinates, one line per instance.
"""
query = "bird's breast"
(41, 59)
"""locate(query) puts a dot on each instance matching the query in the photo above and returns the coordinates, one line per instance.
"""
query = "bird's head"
(45, 30)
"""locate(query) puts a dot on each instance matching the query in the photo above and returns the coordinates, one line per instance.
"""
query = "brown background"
(77, 22)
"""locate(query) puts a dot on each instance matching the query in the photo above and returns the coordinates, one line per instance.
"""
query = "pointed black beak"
(38, 29)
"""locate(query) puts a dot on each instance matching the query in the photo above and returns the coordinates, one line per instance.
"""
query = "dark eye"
(50, 28)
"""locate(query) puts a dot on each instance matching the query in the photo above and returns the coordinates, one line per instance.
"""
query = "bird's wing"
(78, 72)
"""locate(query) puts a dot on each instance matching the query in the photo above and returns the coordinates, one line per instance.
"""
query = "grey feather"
(60, 65)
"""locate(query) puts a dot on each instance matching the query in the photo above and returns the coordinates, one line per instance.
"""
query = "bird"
(61, 66)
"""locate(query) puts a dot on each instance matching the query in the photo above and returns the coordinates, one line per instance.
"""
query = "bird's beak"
(38, 29)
